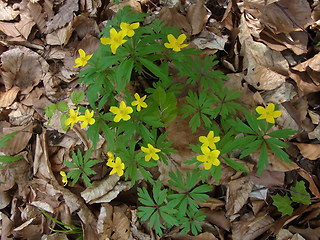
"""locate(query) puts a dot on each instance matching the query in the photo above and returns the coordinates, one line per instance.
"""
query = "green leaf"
(9, 159)
(239, 167)
(63, 118)
(250, 148)
(153, 68)
(123, 74)
(263, 159)
(50, 110)
(282, 133)
(283, 204)
(62, 106)
(77, 97)
(300, 194)
(194, 122)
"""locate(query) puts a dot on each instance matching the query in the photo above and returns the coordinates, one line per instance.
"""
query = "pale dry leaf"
(268, 178)
(31, 97)
(211, 203)
(121, 226)
(7, 13)
(64, 16)
(35, 10)
(42, 164)
(308, 233)
(25, 24)
(55, 236)
(173, 18)
(211, 41)
(284, 93)
(284, 234)
(249, 227)
(100, 188)
(7, 98)
(60, 37)
(135, 5)
(9, 29)
(304, 82)
(104, 224)
(238, 192)
(5, 199)
(310, 151)
(315, 134)
(19, 141)
(92, 6)
(197, 16)
(257, 205)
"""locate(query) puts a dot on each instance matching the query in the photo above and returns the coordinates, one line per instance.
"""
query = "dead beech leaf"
(286, 17)
(238, 193)
(284, 93)
(312, 186)
(217, 217)
(7, 13)
(210, 40)
(173, 18)
(308, 233)
(310, 151)
(121, 225)
(35, 10)
(197, 16)
(249, 227)
(7, 98)
(23, 68)
(104, 190)
(25, 25)
(60, 37)
(64, 16)
(84, 25)
(104, 224)
(19, 141)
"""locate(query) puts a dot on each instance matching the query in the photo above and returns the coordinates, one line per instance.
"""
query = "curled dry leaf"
(105, 190)
(284, 93)
(217, 217)
(84, 25)
(7, 98)
(35, 10)
(210, 40)
(104, 224)
(197, 16)
(121, 225)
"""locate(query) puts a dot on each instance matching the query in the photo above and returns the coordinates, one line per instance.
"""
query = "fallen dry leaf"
(7, 13)
(61, 36)
(35, 11)
(197, 16)
(7, 98)
(238, 192)
(173, 18)
(310, 151)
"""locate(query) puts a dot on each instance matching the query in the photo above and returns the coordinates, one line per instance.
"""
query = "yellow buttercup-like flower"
(74, 118)
(115, 40)
(110, 158)
(117, 167)
(83, 59)
(209, 141)
(87, 118)
(122, 112)
(209, 158)
(64, 178)
(139, 102)
(268, 113)
(129, 28)
(176, 44)
(151, 152)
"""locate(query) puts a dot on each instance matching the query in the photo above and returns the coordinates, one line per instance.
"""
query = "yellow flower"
(151, 152)
(176, 44)
(64, 178)
(122, 112)
(87, 118)
(268, 113)
(83, 59)
(128, 28)
(209, 141)
(74, 118)
(139, 102)
(209, 158)
(117, 167)
(110, 158)
(115, 40)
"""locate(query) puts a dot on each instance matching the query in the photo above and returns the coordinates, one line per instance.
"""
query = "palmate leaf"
(282, 133)
(239, 167)
(263, 159)
(250, 148)
(299, 193)
(283, 204)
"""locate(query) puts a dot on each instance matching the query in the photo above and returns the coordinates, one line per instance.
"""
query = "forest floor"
(267, 48)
